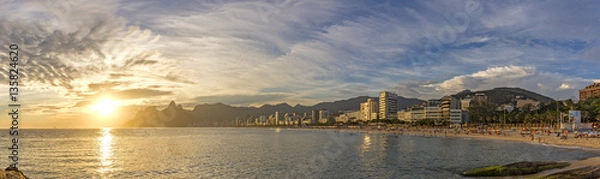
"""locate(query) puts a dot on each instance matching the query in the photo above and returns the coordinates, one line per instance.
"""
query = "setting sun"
(104, 107)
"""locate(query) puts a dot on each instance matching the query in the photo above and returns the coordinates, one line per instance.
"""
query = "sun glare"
(104, 107)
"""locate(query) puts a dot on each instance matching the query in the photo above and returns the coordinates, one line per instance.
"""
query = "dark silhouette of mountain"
(220, 114)
(505, 95)
(406, 102)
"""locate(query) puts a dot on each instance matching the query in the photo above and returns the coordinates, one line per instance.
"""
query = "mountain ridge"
(219, 114)
(506, 95)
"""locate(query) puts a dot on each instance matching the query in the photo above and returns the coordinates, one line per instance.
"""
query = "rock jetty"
(579, 173)
(12, 173)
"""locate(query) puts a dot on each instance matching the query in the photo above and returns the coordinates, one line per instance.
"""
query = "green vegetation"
(486, 112)
(506, 95)
(519, 168)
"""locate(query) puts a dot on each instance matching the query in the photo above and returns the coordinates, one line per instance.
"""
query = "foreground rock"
(518, 168)
(12, 173)
(580, 173)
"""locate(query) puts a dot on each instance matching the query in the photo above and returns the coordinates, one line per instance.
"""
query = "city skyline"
(123, 55)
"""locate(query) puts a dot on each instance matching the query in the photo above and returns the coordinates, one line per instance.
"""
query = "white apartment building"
(348, 116)
(465, 103)
(388, 105)
(434, 113)
(369, 110)
(456, 116)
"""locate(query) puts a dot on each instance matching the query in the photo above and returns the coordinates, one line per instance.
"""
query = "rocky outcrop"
(579, 173)
(12, 173)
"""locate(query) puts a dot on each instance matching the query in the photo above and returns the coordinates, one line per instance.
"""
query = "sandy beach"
(537, 135)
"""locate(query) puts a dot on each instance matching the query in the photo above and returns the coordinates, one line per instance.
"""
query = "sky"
(138, 53)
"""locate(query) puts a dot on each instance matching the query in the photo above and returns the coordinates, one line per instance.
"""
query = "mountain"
(406, 102)
(506, 95)
(220, 114)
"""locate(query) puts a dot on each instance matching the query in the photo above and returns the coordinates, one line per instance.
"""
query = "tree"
(425, 122)
(331, 120)
(479, 111)
(528, 118)
(590, 109)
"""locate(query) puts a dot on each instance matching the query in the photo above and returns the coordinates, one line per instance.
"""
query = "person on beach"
(565, 134)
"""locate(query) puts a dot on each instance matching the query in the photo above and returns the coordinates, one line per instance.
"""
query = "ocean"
(261, 153)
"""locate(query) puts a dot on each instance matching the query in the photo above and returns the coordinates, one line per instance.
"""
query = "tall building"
(434, 113)
(388, 105)
(456, 116)
(276, 117)
(323, 116)
(369, 110)
(314, 116)
(465, 103)
(448, 103)
(263, 119)
(589, 91)
(480, 97)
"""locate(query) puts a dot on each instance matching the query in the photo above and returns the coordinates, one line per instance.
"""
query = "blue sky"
(250, 53)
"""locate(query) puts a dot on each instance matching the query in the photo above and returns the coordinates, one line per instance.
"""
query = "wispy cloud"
(255, 52)
(65, 48)
(554, 85)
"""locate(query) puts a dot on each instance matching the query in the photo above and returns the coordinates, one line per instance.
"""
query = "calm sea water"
(261, 153)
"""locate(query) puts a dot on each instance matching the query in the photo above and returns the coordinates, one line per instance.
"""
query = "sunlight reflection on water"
(366, 143)
(106, 153)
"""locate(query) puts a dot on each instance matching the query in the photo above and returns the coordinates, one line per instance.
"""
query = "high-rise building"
(465, 103)
(456, 116)
(276, 117)
(368, 109)
(448, 103)
(314, 116)
(388, 105)
(263, 119)
(589, 91)
(434, 113)
(323, 116)
(480, 97)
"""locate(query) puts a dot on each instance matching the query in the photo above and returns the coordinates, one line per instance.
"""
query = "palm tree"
(528, 118)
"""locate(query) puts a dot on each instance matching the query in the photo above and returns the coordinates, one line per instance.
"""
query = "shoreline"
(507, 135)
(551, 140)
